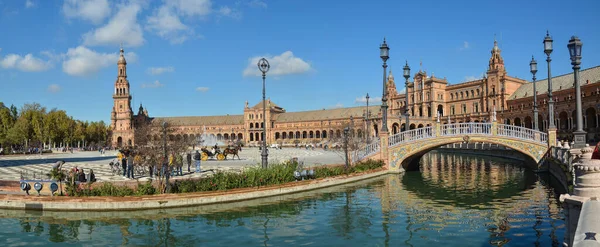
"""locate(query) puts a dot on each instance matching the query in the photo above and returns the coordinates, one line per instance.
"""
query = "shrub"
(252, 177)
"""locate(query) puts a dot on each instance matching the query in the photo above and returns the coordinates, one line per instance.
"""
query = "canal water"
(455, 200)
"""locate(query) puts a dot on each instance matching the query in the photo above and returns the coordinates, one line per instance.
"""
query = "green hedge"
(253, 177)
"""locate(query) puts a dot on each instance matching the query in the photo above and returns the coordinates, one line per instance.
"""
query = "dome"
(122, 58)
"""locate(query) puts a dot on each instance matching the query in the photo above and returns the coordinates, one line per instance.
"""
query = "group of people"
(79, 174)
(173, 164)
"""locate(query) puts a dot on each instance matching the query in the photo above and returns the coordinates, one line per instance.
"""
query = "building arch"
(276, 135)
(590, 117)
(528, 122)
(318, 134)
(395, 128)
(119, 141)
(563, 120)
(517, 122)
(240, 136)
(311, 134)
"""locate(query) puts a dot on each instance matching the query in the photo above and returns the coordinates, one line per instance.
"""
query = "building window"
(475, 107)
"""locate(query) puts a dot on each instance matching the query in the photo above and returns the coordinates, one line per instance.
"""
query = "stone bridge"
(402, 151)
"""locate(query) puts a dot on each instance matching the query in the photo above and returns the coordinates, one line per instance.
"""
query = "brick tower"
(122, 115)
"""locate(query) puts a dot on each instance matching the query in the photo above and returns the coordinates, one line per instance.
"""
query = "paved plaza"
(11, 167)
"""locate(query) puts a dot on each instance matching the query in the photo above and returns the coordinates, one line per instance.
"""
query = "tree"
(6, 123)
(150, 137)
(356, 140)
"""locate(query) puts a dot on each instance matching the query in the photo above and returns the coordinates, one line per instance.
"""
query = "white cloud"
(166, 24)
(91, 10)
(122, 27)
(338, 105)
(229, 12)
(190, 7)
(155, 84)
(29, 4)
(465, 46)
(54, 88)
(27, 63)
(202, 89)
(284, 64)
(257, 3)
(81, 61)
(160, 70)
(372, 100)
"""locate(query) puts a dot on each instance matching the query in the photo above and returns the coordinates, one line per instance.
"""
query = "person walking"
(130, 167)
(124, 164)
(197, 158)
(189, 161)
(179, 160)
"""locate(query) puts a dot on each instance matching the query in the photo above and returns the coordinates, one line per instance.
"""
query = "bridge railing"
(367, 150)
(412, 135)
(466, 128)
(522, 133)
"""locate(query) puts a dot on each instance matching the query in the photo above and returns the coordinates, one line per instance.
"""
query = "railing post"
(438, 128)
(494, 129)
(551, 138)
(383, 138)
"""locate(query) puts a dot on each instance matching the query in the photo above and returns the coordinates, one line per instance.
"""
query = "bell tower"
(122, 115)
(496, 73)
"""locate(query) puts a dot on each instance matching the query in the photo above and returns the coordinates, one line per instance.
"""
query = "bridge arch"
(406, 148)
(410, 161)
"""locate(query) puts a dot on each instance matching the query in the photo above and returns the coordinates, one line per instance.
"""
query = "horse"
(234, 151)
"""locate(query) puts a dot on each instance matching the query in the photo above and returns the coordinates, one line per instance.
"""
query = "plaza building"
(519, 109)
(317, 126)
(428, 96)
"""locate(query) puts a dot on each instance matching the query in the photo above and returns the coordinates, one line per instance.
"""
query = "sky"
(198, 57)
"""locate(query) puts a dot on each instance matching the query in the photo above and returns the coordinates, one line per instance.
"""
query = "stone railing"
(456, 129)
(522, 133)
(466, 128)
(366, 151)
(412, 135)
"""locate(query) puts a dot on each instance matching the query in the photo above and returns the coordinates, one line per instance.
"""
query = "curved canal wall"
(131, 203)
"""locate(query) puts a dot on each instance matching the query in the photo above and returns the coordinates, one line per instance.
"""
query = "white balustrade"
(466, 128)
(367, 150)
(412, 135)
(521, 133)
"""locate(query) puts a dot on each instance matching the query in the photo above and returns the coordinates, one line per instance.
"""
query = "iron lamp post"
(575, 51)
(385, 55)
(548, 50)
(263, 66)
(406, 113)
(533, 69)
(367, 119)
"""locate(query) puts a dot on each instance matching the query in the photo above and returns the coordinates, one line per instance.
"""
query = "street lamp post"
(346, 145)
(533, 69)
(367, 119)
(406, 76)
(575, 51)
(263, 66)
(385, 55)
(548, 49)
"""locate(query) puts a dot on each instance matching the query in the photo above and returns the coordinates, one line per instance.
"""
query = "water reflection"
(455, 200)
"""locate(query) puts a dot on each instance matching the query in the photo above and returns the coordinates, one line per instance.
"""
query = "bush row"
(249, 178)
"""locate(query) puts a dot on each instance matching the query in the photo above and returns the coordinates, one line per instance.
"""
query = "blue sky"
(197, 57)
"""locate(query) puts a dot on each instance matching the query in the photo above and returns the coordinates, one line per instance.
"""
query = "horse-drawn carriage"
(216, 153)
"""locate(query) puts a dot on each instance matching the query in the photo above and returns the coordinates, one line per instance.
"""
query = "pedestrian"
(124, 164)
(130, 167)
(189, 161)
(179, 160)
(198, 158)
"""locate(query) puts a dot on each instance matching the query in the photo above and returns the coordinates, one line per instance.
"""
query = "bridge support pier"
(551, 138)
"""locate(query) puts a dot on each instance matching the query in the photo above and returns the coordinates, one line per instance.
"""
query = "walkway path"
(11, 167)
